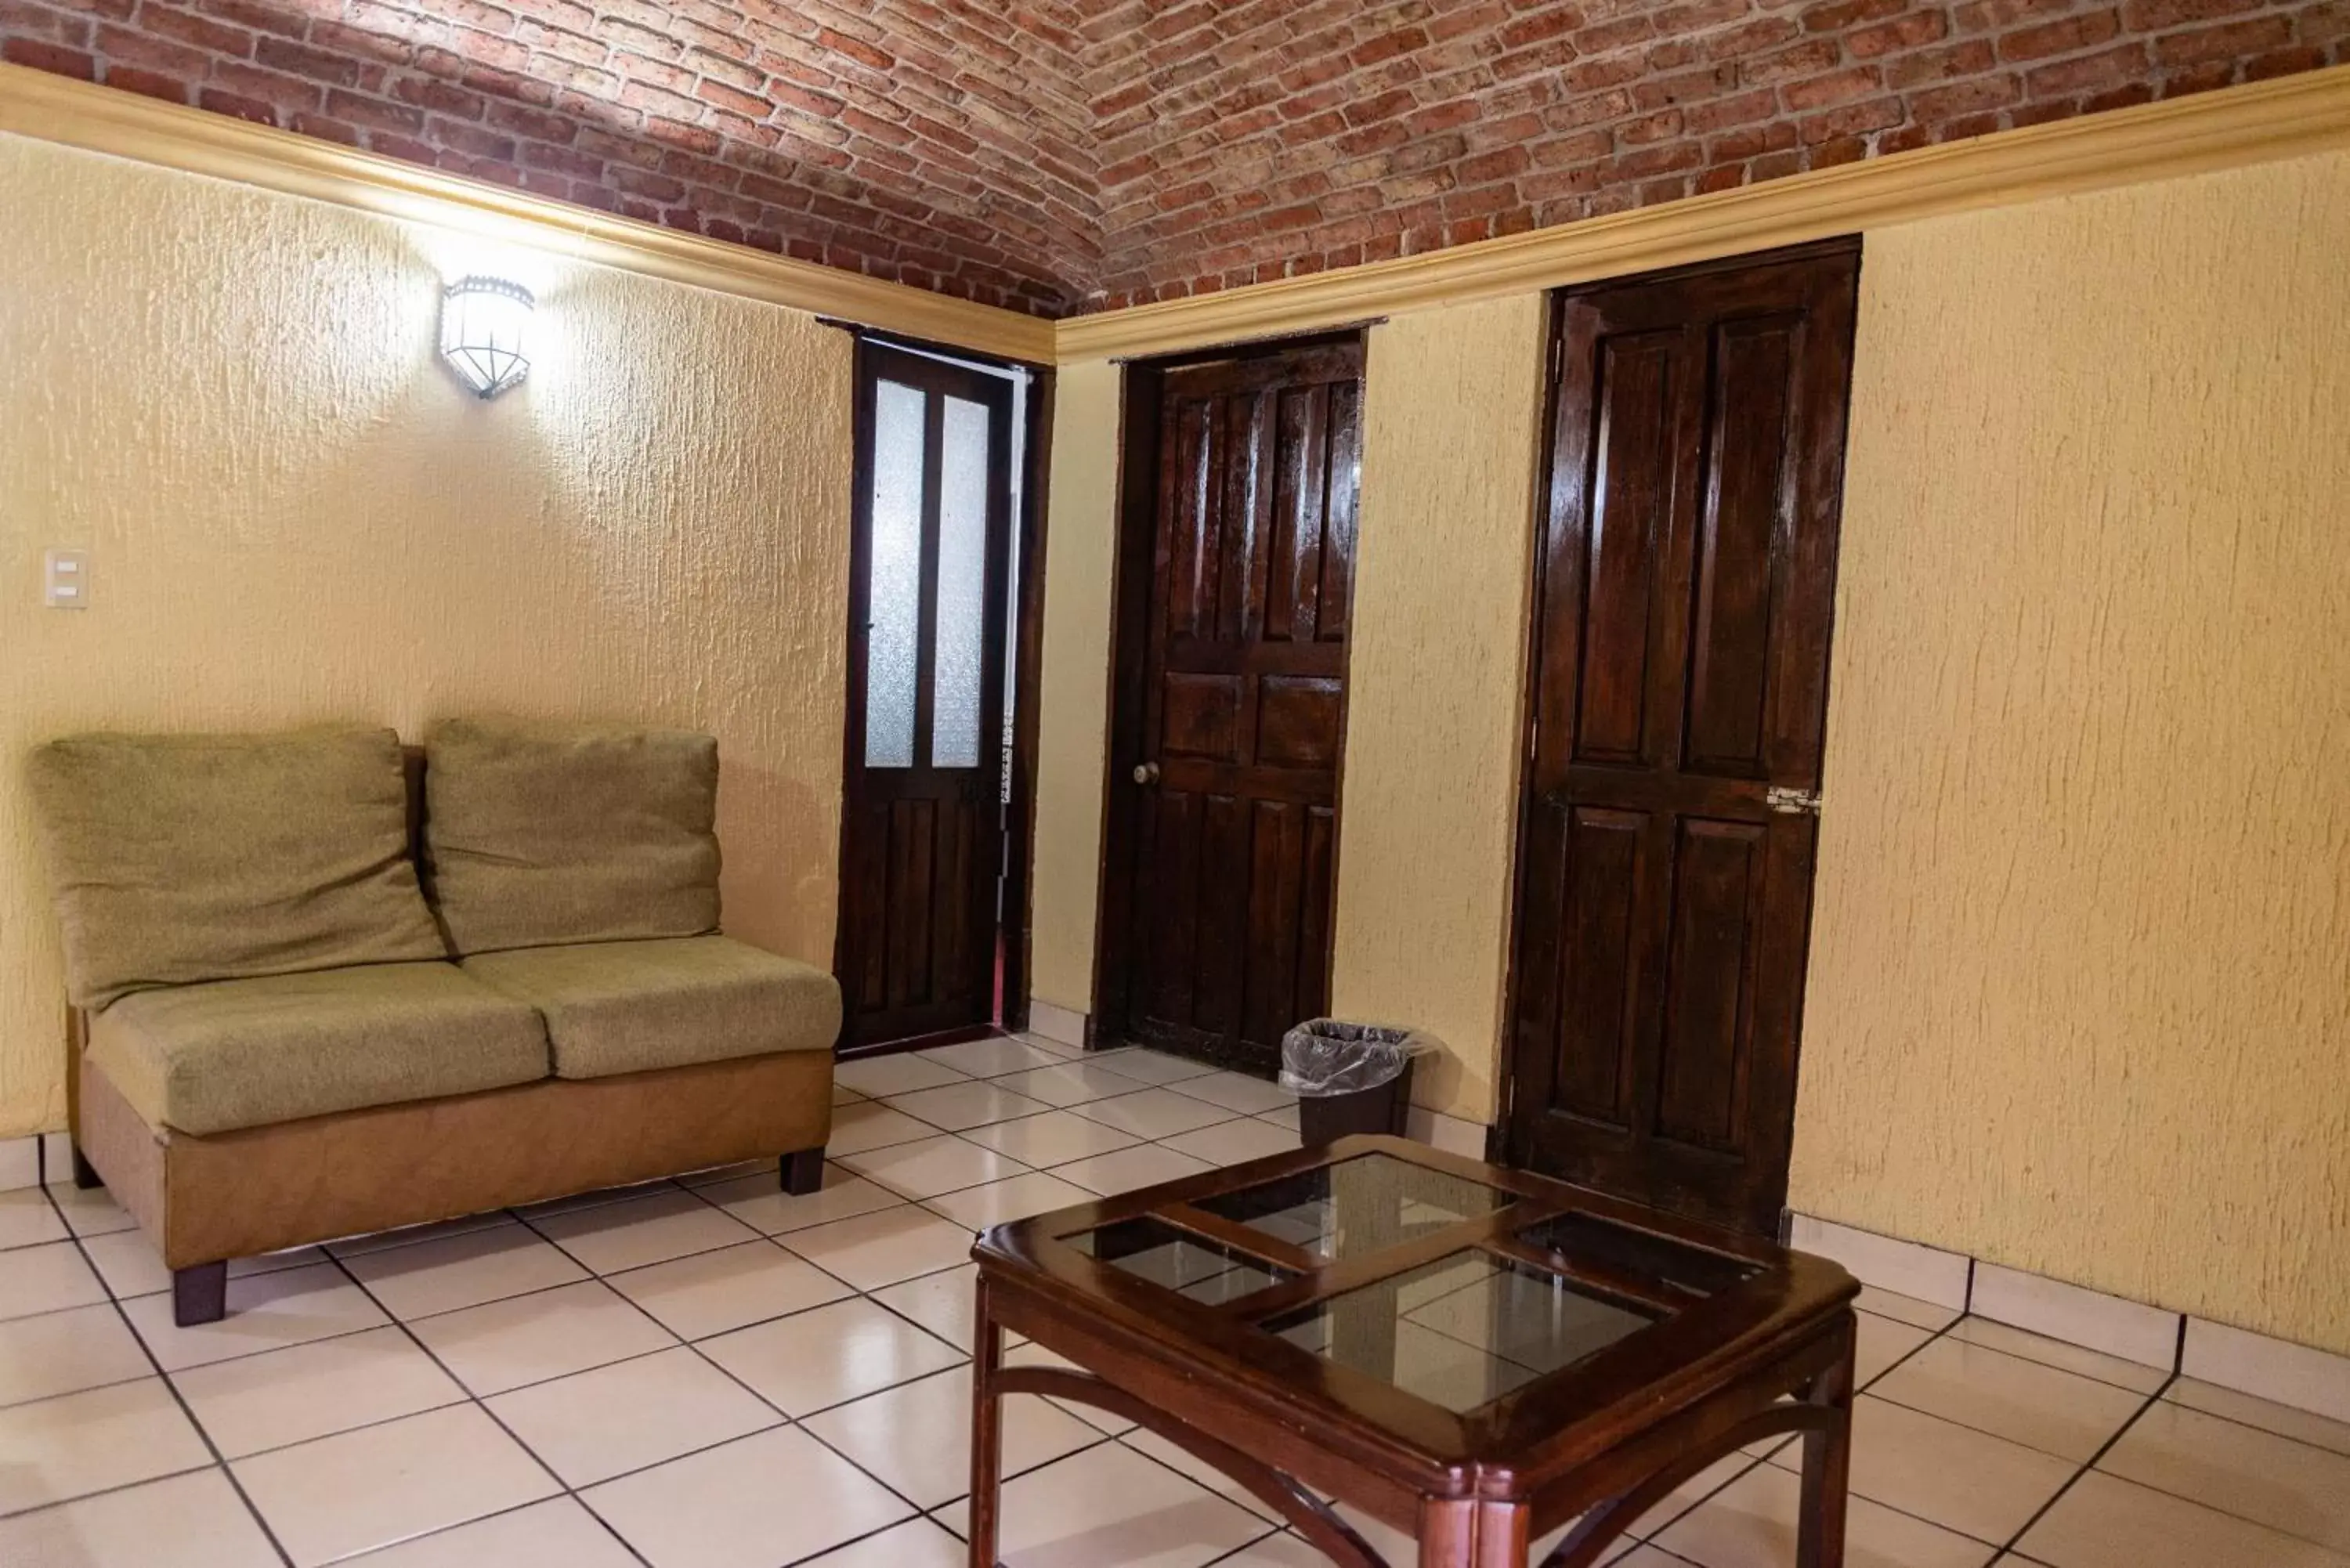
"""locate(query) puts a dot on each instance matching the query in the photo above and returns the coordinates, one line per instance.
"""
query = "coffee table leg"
(1462, 1533)
(1827, 1464)
(986, 1431)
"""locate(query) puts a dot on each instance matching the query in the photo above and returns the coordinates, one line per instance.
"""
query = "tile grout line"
(220, 1462)
(2012, 1546)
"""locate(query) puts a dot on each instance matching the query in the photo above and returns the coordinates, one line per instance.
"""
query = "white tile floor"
(709, 1374)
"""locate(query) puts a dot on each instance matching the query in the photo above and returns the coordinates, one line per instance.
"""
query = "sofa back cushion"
(181, 859)
(538, 834)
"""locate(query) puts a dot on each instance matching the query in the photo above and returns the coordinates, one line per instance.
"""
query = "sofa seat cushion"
(541, 834)
(630, 1007)
(177, 859)
(236, 1053)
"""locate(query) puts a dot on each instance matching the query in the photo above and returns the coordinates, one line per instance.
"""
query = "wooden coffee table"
(1474, 1355)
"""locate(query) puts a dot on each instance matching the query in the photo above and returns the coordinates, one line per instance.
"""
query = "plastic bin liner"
(1327, 1056)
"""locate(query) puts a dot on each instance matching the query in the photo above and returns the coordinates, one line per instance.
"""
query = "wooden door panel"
(1222, 924)
(922, 825)
(1742, 545)
(1704, 1055)
(1686, 578)
(1631, 491)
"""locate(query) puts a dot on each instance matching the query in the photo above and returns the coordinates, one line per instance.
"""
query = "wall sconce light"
(483, 322)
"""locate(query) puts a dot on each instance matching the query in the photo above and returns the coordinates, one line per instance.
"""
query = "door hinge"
(1793, 802)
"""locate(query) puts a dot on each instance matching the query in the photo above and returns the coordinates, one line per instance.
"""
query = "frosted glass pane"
(895, 587)
(962, 586)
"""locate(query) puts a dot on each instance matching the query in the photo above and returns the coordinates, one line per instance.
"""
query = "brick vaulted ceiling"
(1066, 155)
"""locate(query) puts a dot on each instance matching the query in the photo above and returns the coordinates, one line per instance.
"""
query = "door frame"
(1141, 403)
(1500, 1147)
(1024, 659)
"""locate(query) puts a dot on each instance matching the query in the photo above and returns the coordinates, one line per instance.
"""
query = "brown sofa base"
(235, 1195)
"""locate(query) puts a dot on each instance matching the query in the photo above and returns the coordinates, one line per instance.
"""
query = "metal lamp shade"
(483, 324)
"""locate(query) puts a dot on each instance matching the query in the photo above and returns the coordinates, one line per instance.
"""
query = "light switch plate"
(66, 580)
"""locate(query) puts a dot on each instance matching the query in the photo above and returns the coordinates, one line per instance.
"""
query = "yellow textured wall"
(2080, 989)
(1073, 698)
(233, 398)
(1451, 410)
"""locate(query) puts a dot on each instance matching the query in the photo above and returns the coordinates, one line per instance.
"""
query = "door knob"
(1146, 773)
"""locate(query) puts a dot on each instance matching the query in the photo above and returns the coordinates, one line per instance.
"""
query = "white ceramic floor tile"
(1053, 1139)
(1153, 1113)
(836, 1353)
(977, 1208)
(933, 1166)
(961, 1105)
(1284, 1118)
(1751, 1523)
(1029, 1354)
(1946, 1474)
(759, 1502)
(2104, 1521)
(527, 1339)
(377, 1486)
(266, 1311)
(2291, 1487)
(193, 1520)
(1067, 1083)
(291, 1395)
(640, 1230)
(876, 1078)
(128, 1263)
(1128, 1169)
(66, 1351)
(872, 1125)
(556, 1534)
(1151, 1445)
(53, 1449)
(88, 1211)
(917, 1544)
(942, 1302)
(2041, 1406)
(842, 1095)
(759, 1202)
(26, 1219)
(2055, 1353)
(593, 1426)
(594, 1197)
(1110, 1504)
(1279, 1550)
(2282, 1419)
(991, 1058)
(1906, 1309)
(408, 1235)
(1229, 1143)
(449, 1272)
(1238, 1091)
(1146, 1066)
(49, 1277)
(880, 1248)
(770, 1169)
(711, 1293)
(916, 1437)
(1883, 1340)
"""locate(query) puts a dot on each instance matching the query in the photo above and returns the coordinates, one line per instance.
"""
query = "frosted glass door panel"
(895, 597)
(962, 586)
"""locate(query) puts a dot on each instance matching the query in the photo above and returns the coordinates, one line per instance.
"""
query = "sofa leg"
(200, 1294)
(804, 1171)
(85, 1174)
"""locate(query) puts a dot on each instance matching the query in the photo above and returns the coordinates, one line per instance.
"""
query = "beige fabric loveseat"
(320, 987)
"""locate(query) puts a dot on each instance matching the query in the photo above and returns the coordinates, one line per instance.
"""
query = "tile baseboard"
(2273, 1369)
(2077, 1315)
(2278, 1370)
(1062, 1025)
(1453, 1135)
(1905, 1267)
(20, 1162)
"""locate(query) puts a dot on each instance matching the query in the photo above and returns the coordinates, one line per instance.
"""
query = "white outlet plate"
(64, 578)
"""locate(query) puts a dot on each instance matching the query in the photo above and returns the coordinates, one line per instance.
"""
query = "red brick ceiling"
(1055, 155)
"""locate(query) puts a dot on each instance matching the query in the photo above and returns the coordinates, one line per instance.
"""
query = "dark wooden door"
(1687, 580)
(1224, 823)
(923, 830)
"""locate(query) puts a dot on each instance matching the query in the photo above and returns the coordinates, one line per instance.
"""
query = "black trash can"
(1350, 1077)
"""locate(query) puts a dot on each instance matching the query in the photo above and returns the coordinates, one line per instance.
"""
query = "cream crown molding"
(2289, 117)
(106, 119)
(2286, 118)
